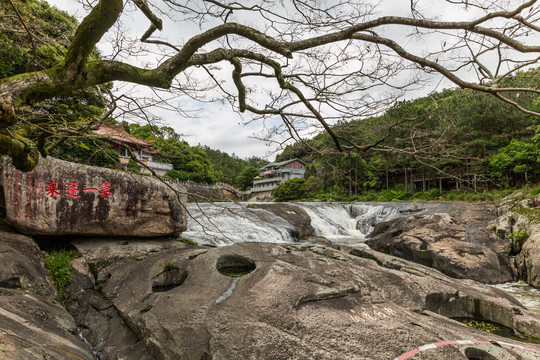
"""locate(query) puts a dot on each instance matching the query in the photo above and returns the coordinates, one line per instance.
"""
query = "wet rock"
(295, 215)
(305, 302)
(60, 198)
(33, 324)
(457, 247)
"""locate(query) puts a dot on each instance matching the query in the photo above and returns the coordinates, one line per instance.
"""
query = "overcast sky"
(214, 123)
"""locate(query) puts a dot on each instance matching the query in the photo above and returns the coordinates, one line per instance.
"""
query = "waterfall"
(227, 223)
(349, 223)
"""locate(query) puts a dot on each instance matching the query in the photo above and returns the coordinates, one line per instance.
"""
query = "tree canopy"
(299, 62)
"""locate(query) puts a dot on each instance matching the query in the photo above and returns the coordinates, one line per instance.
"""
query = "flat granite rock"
(274, 301)
(63, 198)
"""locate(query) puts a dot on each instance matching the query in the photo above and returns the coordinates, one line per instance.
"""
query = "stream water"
(526, 294)
(227, 223)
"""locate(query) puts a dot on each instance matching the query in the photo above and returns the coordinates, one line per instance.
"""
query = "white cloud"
(221, 128)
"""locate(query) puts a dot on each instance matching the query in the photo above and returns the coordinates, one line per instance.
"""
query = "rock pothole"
(235, 265)
(478, 354)
(171, 277)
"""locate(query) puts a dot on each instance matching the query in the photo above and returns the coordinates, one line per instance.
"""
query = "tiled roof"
(281, 163)
(119, 134)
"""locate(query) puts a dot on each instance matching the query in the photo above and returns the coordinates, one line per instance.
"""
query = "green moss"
(187, 241)
(482, 325)
(518, 239)
(531, 336)
(532, 214)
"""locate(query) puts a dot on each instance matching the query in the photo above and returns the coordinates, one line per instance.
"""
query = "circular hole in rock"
(478, 354)
(235, 265)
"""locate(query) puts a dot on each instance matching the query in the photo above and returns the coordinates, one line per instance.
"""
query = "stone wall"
(198, 193)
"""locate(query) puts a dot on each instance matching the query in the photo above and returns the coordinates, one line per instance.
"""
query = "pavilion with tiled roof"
(140, 148)
(118, 133)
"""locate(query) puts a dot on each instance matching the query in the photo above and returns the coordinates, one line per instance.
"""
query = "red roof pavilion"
(118, 133)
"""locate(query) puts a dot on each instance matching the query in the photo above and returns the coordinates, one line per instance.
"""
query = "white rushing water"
(221, 224)
(348, 223)
(526, 294)
(227, 223)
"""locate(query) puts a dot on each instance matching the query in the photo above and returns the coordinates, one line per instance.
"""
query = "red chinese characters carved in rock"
(72, 189)
(52, 188)
(105, 190)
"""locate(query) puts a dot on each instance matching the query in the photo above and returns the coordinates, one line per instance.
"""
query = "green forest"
(451, 141)
(195, 163)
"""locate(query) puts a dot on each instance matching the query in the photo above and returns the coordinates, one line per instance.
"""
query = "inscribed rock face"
(61, 198)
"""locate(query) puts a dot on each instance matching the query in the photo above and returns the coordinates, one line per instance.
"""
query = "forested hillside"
(35, 36)
(455, 139)
(195, 163)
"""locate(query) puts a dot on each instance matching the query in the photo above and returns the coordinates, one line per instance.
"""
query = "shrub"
(178, 174)
(169, 266)
(133, 166)
(58, 263)
(431, 194)
(535, 191)
(397, 194)
(293, 189)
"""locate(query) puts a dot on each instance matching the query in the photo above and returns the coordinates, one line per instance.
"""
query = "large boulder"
(272, 301)
(33, 323)
(459, 245)
(61, 198)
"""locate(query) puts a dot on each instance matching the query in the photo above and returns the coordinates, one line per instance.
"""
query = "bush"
(535, 191)
(397, 194)
(133, 166)
(58, 263)
(178, 174)
(431, 194)
(293, 189)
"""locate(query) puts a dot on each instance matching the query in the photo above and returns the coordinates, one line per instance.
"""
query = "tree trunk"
(406, 180)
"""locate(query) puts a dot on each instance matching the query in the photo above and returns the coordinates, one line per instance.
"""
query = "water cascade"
(349, 223)
(227, 223)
